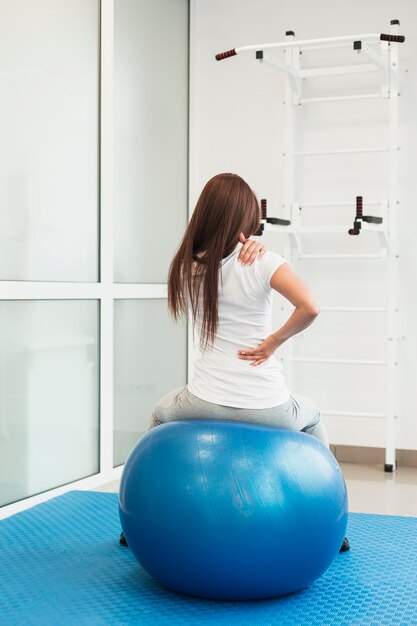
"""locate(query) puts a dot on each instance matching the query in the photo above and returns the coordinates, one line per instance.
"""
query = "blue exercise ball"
(232, 510)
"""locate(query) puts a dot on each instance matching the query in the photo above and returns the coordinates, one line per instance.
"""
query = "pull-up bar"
(367, 38)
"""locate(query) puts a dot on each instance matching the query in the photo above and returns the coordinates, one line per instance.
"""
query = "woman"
(226, 282)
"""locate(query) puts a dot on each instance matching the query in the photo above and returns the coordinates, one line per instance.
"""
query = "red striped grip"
(225, 55)
(359, 206)
(263, 209)
(395, 38)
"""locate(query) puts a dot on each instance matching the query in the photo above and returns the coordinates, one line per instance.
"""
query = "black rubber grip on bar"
(225, 55)
(395, 38)
(372, 219)
(263, 209)
(359, 206)
(278, 220)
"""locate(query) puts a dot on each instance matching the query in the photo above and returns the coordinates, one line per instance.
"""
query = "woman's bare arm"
(289, 285)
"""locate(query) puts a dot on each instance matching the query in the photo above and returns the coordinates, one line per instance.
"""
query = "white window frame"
(106, 292)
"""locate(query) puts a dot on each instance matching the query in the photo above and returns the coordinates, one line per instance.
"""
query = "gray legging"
(299, 413)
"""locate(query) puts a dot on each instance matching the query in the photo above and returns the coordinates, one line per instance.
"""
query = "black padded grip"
(372, 219)
(225, 55)
(263, 209)
(395, 38)
(278, 220)
(359, 206)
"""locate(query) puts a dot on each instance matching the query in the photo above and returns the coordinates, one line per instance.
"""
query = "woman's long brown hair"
(226, 207)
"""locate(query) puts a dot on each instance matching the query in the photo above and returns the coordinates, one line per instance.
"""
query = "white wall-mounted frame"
(385, 62)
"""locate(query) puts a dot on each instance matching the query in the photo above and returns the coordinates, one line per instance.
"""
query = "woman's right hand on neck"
(250, 251)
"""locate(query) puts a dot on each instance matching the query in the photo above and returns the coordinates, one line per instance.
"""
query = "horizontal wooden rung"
(339, 256)
(340, 151)
(353, 414)
(359, 96)
(353, 310)
(337, 361)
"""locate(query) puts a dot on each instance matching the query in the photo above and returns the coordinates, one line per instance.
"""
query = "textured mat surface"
(61, 563)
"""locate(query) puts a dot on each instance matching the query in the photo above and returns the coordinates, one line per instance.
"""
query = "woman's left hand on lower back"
(250, 251)
(261, 353)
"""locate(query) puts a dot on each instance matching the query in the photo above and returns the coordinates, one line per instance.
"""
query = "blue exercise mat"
(61, 563)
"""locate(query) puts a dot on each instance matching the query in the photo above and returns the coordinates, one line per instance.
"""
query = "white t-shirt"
(245, 308)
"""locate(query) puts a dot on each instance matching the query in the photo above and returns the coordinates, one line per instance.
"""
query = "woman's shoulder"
(267, 266)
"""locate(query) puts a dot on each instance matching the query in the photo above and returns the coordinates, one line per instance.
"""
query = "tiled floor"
(370, 489)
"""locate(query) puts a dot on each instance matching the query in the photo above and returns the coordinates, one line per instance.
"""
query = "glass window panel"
(150, 359)
(49, 395)
(49, 122)
(151, 136)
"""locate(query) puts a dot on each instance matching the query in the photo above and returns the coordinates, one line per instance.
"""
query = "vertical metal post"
(295, 214)
(289, 130)
(192, 350)
(392, 259)
(106, 238)
(289, 173)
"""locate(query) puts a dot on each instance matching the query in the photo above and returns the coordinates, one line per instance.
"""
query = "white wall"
(237, 125)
